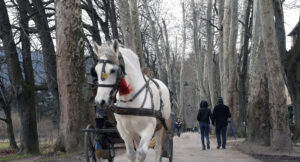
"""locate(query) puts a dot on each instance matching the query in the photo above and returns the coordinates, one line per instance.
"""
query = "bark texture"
(200, 91)
(280, 136)
(209, 57)
(258, 111)
(181, 89)
(71, 72)
(136, 30)
(229, 75)
(243, 64)
(126, 24)
(292, 69)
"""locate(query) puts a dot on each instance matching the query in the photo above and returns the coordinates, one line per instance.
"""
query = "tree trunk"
(113, 19)
(70, 74)
(243, 66)
(28, 71)
(280, 132)
(200, 92)
(258, 112)
(41, 22)
(94, 29)
(210, 62)
(23, 91)
(221, 43)
(126, 24)
(230, 30)
(292, 69)
(10, 130)
(181, 89)
(136, 30)
(168, 59)
(280, 30)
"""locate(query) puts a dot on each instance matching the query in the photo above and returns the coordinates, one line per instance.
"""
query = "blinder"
(120, 74)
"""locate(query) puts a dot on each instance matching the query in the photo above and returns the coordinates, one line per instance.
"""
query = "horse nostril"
(102, 102)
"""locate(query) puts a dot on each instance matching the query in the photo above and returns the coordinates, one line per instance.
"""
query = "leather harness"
(141, 111)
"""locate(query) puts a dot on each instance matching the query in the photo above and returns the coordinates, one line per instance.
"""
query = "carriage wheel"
(111, 153)
(89, 145)
(171, 149)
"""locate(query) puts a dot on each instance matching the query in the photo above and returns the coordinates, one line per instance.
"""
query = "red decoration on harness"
(124, 88)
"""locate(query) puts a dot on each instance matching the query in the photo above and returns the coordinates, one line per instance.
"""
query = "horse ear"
(97, 49)
(116, 46)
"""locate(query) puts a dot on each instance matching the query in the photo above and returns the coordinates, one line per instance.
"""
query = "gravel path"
(187, 148)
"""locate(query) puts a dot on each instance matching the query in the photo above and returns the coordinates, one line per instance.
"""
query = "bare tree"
(5, 102)
(22, 88)
(229, 75)
(209, 56)
(155, 39)
(70, 74)
(280, 136)
(293, 74)
(136, 30)
(126, 24)
(201, 93)
(181, 89)
(258, 111)
(243, 62)
(37, 10)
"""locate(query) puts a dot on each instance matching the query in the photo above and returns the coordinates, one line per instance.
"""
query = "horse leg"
(131, 154)
(129, 144)
(146, 137)
(158, 144)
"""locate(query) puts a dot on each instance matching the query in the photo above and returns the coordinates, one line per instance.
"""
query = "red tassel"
(124, 88)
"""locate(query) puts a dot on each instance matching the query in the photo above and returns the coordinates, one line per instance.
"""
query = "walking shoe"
(208, 146)
(218, 147)
(223, 147)
(203, 147)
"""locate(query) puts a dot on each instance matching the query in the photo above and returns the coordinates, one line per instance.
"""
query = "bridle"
(120, 74)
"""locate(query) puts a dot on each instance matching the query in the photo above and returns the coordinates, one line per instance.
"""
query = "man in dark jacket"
(203, 117)
(220, 117)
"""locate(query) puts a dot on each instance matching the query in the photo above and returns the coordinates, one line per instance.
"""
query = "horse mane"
(107, 50)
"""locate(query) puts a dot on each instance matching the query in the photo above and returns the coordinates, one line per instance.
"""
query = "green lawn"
(14, 157)
(4, 145)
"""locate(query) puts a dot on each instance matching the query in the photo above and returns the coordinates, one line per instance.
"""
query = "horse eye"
(112, 71)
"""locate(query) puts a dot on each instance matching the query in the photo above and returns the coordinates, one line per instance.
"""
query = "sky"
(291, 9)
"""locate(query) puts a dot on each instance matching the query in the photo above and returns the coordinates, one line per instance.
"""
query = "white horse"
(133, 129)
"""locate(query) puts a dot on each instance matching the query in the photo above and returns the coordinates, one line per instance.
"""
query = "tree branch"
(219, 29)
(3, 120)
(42, 87)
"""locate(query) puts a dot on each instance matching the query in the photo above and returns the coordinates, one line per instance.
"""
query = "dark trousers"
(204, 130)
(219, 130)
(178, 131)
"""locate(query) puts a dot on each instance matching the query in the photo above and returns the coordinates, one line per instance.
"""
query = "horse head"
(110, 70)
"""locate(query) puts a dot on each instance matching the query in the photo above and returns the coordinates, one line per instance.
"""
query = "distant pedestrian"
(220, 117)
(204, 114)
(178, 126)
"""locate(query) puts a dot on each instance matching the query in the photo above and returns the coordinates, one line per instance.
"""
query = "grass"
(14, 157)
(4, 145)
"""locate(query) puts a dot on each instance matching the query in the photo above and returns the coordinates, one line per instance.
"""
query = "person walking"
(220, 117)
(204, 114)
(178, 126)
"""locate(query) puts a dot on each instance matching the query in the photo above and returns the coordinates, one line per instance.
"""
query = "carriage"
(108, 137)
(137, 105)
